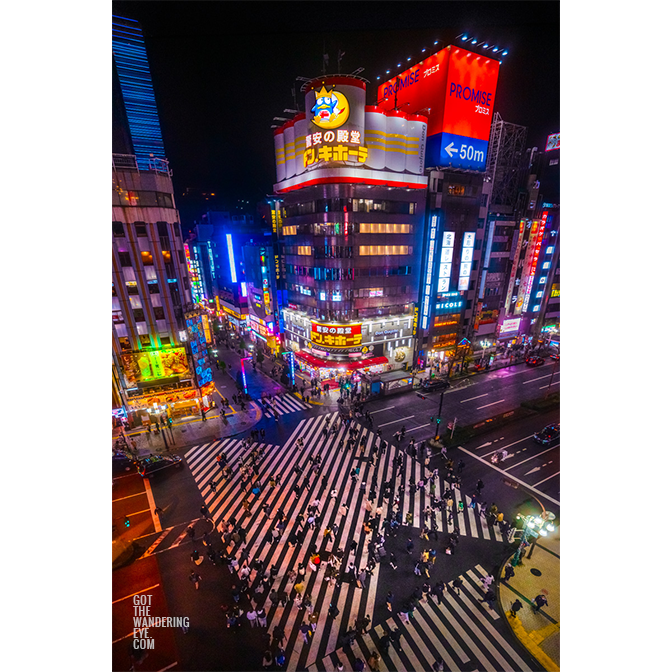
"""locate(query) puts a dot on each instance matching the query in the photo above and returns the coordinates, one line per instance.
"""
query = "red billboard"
(455, 89)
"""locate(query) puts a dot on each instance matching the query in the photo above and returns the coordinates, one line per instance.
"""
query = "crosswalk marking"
(425, 638)
(283, 404)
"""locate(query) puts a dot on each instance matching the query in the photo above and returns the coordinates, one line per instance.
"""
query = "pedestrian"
(479, 486)
(539, 602)
(195, 579)
(409, 546)
(489, 597)
(267, 661)
(457, 584)
(486, 581)
(388, 600)
(393, 561)
(515, 608)
(252, 617)
(374, 661)
(508, 572)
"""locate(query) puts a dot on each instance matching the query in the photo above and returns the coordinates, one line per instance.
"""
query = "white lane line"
(546, 479)
(381, 410)
(418, 427)
(152, 505)
(510, 476)
(398, 420)
(543, 387)
(489, 443)
(531, 458)
(540, 378)
(492, 404)
(478, 397)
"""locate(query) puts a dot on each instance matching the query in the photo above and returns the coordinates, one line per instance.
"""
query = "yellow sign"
(336, 335)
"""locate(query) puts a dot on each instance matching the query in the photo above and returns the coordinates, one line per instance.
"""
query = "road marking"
(393, 421)
(156, 585)
(492, 404)
(152, 505)
(128, 497)
(546, 479)
(511, 476)
(418, 427)
(168, 667)
(545, 386)
(478, 397)
(161, 537)
(540, 378)
(381, 410)
(527, 473)
(531, 458)
(488, 443)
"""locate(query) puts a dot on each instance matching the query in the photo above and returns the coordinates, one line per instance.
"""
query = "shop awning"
(334, 364)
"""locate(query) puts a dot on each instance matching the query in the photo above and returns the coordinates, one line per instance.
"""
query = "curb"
(530, 640)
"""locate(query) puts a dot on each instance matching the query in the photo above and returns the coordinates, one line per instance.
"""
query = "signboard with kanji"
(336, 335)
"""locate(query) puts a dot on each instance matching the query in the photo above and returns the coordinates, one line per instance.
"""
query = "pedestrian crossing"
(456, 628)
(282, 404)
(290, 491)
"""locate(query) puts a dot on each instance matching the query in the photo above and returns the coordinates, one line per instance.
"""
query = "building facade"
(351, 188)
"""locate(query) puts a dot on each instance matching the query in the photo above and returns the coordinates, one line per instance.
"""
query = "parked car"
(548, 434)
(121, 463)
(534, 361)
(149, 466)
(435, 384)
(556, 356)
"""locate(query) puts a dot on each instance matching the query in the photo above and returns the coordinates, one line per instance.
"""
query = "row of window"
(148, 259)
(345, 251)
(320, 273)
(146, 199)
(141, 229)
(349, 205)
(344, 294)
(339, 228)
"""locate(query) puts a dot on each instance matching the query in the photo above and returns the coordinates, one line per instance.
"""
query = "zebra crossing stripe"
(392, 652)
(452, 642)
(477, 594)
(422, 626)
(418, 622)
(406, 651)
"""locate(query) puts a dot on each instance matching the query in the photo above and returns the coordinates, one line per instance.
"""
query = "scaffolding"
(505, 155)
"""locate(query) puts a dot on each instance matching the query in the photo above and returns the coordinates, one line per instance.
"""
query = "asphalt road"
(210, 645)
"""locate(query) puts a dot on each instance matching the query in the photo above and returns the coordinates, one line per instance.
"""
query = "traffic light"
(127, 522)
(438, 420)
(170, 421)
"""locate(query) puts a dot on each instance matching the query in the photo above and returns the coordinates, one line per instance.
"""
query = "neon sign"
(466, 260)
(430, 267)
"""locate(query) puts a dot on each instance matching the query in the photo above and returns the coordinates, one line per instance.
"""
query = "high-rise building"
(135, 126)
(153, 369)
(350, 213)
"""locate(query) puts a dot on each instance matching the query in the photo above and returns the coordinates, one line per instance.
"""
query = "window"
(153, 287)
(140, 229)
(162, 228)
(165, 340)
(165, 200)
(144, 340)
(158, 313)
(384, 228)
(117, 229)
(180, 256)
(304, 250)
(289, 230)
(386, 250)
(454, 189)
(375, 291)
(147, 259)
(176, 229)
(124, 259)
(138, 315)
(124, 343)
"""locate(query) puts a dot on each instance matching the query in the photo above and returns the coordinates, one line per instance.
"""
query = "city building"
(153, 367)
(349, 219)
(455, 88)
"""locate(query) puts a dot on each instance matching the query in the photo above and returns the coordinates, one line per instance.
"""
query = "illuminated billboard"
(336, 335)
(553, 142)
(510, 325)
(456, 89)
(140, 367)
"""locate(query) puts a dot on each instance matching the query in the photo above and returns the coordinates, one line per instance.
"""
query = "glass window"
(117, 229)
(147, 259)
(162, 228)
(124, 258)
(158, 313)
(140, 229)
(153, 288)
(138, 315)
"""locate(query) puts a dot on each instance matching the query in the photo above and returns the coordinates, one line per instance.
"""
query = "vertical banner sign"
(466, 260)
(512, 279)
(529, 254)
(232, 262)
(446, 262)
(535, 259)
(434, 222)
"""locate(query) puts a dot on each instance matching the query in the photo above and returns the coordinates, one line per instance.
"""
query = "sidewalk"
(538, 633)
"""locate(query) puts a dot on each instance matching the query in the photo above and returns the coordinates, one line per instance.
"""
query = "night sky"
(223, 70)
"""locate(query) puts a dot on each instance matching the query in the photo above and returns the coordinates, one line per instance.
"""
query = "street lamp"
(534, 526)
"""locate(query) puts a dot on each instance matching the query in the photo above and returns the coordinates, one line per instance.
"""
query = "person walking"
(489, 597)
(388, 600)
(410, 546)
(195, 579)
(393, 561)
(252, 617)
(515, 608)
(539, 602)
(457, 584)
(508, 572)
(487, 581)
